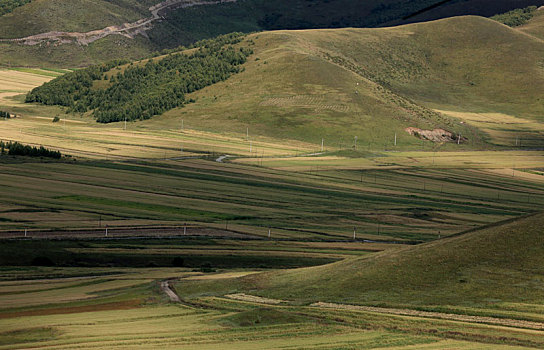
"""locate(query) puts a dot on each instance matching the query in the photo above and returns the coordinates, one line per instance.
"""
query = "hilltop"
(371, 83)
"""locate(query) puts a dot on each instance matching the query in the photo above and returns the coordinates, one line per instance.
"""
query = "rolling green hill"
(493, 266)
(339, 84)
(371, 83)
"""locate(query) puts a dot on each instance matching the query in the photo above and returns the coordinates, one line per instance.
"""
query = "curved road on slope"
(129, 30)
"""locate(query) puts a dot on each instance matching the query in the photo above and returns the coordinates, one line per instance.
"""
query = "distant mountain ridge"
(181, 25)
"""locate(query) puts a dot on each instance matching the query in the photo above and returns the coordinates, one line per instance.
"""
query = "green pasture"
(391, 204)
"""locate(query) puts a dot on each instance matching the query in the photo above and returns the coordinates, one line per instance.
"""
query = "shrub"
(42, 261)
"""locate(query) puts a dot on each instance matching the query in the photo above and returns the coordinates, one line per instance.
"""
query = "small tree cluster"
(5, 115)
(517, 17)
(18, 149)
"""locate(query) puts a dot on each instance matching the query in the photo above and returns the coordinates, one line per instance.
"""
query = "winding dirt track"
(129, 30)
(165, 286)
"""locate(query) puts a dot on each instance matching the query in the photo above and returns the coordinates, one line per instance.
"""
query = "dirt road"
(165, 287)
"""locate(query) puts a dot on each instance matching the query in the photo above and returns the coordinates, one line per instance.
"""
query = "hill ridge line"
(129, 30)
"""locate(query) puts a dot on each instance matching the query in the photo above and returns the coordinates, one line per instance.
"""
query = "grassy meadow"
(283, 244)
(120, 308)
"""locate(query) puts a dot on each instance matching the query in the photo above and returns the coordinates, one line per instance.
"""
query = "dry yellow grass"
(15, 81)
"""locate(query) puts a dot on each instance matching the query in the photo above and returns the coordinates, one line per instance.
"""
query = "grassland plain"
(120, 308)
(140, 178)
(418, 204)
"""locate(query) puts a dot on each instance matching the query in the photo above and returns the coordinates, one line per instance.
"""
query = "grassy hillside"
(41, 16)
(371, 83)
(535, 26)
(491, 267)
(8, 5)
(73, 56)
(186, 25)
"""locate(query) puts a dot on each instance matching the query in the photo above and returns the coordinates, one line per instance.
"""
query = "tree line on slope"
(143, 90)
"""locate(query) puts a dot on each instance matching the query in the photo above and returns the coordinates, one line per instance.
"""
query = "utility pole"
(247, 133)
(354, 229)
(106, 230)
(322, 143)
(182, 128)
(395, 139)
(125, 123)
(269, 233)
(185, 229)
(250, 148)
(25, 233)
(459, 139)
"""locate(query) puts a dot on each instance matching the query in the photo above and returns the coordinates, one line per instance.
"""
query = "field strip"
(428, 314)
(254, 299)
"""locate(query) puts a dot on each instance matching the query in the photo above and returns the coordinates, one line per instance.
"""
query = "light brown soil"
(436, 135)
(254, 299)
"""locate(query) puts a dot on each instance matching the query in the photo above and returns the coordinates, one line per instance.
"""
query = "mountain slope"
(339, 84)
(497, 264)
(343, 83)
(185, 21)
(40, 16)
